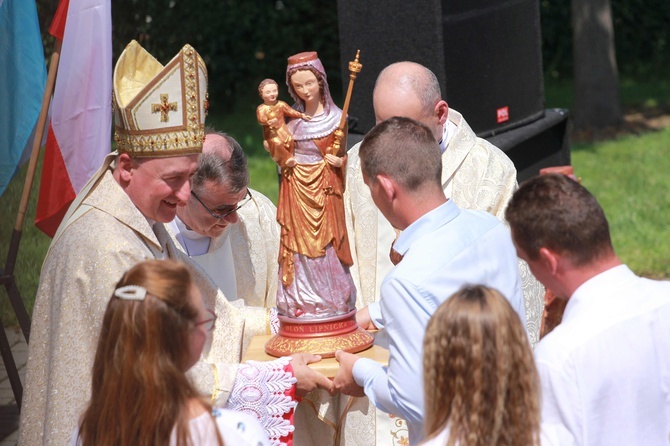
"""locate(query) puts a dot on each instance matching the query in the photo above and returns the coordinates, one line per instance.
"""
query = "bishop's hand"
(308, 379)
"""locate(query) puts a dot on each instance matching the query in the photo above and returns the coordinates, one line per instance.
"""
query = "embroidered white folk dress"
(236, 428)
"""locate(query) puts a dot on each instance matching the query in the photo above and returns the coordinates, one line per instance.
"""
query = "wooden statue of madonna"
(316, 296)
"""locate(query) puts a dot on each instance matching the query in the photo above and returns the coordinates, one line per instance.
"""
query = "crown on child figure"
(159, 111)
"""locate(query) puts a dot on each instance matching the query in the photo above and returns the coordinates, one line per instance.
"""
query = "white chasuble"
(102, 236)
(242, 262)
(475, 174)
(220, 261)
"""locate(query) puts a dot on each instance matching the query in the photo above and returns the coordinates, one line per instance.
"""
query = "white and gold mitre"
(159, 111)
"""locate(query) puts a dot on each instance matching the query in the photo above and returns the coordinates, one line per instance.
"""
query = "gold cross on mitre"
(164, 107)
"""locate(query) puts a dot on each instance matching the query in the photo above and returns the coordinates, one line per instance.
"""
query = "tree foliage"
(641, 37)
(244, 41)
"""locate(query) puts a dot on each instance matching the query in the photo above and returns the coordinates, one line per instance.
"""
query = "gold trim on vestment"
(216, 392)
(138, 77)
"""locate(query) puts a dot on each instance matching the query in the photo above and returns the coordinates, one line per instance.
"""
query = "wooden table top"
(327, 367)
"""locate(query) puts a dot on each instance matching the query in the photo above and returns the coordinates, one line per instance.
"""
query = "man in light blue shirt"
(442, 248)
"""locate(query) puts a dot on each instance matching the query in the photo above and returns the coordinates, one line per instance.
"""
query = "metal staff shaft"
(354, 68)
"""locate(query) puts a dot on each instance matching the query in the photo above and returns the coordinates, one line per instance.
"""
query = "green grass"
(242, 125)
(33, 247)
(626, 175)
(647, 95)
(629, 179)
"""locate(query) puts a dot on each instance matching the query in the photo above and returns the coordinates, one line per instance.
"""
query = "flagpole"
(39, 133)
(8, 278)
(27, 185)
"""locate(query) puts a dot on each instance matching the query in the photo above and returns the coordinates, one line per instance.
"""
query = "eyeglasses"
(226, 210)
(208, 323)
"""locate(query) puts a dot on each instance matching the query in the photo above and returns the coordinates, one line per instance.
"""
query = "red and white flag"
(79, 135)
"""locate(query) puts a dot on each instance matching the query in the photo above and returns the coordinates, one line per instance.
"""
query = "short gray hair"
(213, 167)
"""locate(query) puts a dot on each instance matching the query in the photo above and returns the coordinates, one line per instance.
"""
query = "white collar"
(448, 130)
(186, 232)
(195, 244)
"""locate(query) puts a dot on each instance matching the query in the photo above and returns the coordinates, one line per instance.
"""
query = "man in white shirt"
(605, 370)
(442, 248)
(475, 175)
(231, 231)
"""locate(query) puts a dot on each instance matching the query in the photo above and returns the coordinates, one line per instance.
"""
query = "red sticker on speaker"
(502, 114)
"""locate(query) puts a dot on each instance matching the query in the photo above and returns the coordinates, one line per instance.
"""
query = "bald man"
(231, 232)
(475, 175)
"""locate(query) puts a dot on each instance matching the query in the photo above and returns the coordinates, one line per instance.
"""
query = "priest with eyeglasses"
(231, 231)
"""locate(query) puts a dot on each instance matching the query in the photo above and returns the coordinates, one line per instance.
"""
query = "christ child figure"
(272, 114)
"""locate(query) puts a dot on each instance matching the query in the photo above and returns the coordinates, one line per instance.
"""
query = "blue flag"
(22, 80)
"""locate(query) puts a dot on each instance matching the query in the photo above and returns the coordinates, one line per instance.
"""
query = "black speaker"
(486, 55)
(542, 143)
(493, 62)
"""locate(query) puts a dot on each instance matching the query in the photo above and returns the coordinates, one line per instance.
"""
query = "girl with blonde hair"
(480, 381)
(154, 329)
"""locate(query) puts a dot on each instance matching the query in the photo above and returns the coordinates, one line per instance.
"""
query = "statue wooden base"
(327, 366)
(319, 336)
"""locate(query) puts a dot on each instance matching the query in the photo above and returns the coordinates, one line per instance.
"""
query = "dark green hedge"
(244, 41)
(641, 34)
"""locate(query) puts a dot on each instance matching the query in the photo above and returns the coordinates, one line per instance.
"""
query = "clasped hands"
(309, 380)
(344, 379)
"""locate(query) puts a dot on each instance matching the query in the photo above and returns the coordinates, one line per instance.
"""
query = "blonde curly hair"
(480, 378)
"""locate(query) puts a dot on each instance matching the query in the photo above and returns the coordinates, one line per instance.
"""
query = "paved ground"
(8, 410)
